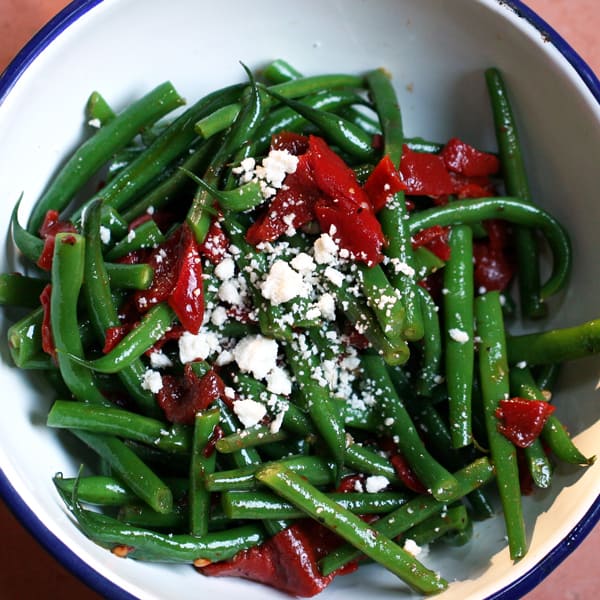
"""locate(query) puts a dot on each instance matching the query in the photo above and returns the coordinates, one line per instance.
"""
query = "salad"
(283, 328)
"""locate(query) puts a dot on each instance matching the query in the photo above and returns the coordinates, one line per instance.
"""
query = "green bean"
(20, 290)
(102, 310)
(455, 518)
(140, 339)
(28, 244)
(315, 469)
(350, 527)
(436, 478)
(344, 134)
(200, 466)
(141, 515)
(258, 435)
(554, 433)
(493, 368)
(25, 338)
(147, 235)
(266, 505)
(104, 490)
(144, 544)
(243, 457)
(413, 512)
(279, 71)
(388, 110)
(384, 300)
(167, 147)
(291, 88)
(129, 277)
(121, 423)
(287, 119)
(320, 406)
(130, 469)
(515, 181)
(359, 314)
(514, 211)
(426, 262)
(67, 278)
(98, 110)
(93, 153)
(429, 373)
(458, 324)
(556, 345)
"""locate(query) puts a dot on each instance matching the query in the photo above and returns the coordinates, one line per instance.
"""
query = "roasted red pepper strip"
(494, 264)
(463, 158)
(181, 399)
(383, 182)
(434, 239)
(187, 297)
(332, 175)
(287, 562)
(47, 339)
(353, 227)
(425, 174)
(297, 198)
(294, 143)
(215, 244)
(163, 261)
(50, 227)
(522, 420)
(406, 474)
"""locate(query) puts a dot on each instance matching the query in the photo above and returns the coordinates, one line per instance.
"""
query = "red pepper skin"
(215, 244)
(181, 399)
(349, 483)
(112, 336)
(332, 175)
(47, 338)
(287, 562)
(521, 420)
(494, 263)
(472, 187)
(294, 143)
(356, 228)
(406, 474)
(463, 158)
(425, 174)
(187, 297)
(48, 230)
(163, 261)
(434, 239)
(383, 182)
(297, 197)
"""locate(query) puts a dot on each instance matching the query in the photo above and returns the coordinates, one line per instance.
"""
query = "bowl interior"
(437, 52)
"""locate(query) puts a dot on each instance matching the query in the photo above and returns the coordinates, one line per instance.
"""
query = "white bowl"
(437, 51)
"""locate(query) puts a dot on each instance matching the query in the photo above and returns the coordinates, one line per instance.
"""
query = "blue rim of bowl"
(63, 553)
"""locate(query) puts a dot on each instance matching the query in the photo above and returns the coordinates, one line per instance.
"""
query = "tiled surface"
(27, 572)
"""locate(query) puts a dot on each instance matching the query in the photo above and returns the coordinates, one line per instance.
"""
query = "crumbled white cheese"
(104, 234)
(462, 337)
(376, 483)
(277, 164)
(279, 382)
(521, 364)
(282, 283)
(336, 277)
(197, 346)
(326, 304)
(249, 412)
(325, 249)
(96, 123)
(276, 423)
(412, 547)
(131, 236)
(229, 292)
(152, 381)
(256, 354)
(218, 316)
(225, 358)
(303, 263)
(225, 269)
(159, 360)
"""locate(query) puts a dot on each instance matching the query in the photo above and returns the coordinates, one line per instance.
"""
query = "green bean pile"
(389, 441)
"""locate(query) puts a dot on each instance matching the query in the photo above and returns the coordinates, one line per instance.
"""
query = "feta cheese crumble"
(256, 354)
(282, 283)
(376, 483)
(152, 381)
(249, 412)
(462, 337)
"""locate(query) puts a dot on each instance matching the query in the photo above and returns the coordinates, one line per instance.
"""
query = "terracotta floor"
(27, 572)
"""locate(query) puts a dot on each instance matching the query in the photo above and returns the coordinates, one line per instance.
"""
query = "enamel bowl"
(436, 51)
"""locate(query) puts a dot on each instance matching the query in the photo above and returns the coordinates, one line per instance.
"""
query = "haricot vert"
(278, 314)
